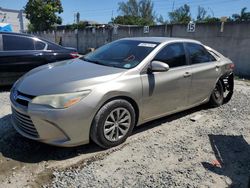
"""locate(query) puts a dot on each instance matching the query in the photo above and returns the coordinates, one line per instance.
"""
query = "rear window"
(198, 54)
(39, 45)
(13, 43)
(54, 47)
(214, 54)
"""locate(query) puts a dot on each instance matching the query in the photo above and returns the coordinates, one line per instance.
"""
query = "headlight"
(61, 100)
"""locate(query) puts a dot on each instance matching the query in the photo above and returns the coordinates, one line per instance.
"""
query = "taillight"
(74, 55)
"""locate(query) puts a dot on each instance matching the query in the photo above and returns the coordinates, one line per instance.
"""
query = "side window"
(213, 54)
(54, 47)
(39, 45)
(173, 55)
(198, 54)
(13, 43)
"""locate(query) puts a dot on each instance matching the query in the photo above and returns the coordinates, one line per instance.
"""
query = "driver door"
(167, 92)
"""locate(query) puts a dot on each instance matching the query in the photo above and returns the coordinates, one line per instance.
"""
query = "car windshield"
(124, 54)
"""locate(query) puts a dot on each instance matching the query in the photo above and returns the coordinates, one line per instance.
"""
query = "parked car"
(20, 53)
(120, 85)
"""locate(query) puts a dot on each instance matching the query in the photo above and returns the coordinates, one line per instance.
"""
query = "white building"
(16, 18)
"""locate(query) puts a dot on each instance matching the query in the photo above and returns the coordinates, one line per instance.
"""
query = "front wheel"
(113, 123)
(217, 96)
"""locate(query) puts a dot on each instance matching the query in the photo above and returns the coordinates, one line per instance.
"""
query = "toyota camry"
(105, 94)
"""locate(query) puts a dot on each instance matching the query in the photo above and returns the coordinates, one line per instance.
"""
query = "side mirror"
(158, 66)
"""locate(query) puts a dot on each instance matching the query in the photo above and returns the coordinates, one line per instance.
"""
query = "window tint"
(12, 43)
(39, 45)
(173, 55)
(213, 54)
(54, 47)
(198, 54)
(119, 51)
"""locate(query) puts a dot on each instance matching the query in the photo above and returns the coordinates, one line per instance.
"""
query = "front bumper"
(59, 127)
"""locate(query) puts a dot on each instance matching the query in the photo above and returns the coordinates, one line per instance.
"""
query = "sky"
(102, 10)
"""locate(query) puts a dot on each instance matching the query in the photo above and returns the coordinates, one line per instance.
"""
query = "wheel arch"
(128, 99)
(230, 77)
(220, 78)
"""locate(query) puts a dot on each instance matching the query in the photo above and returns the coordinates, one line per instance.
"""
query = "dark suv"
(20, 53)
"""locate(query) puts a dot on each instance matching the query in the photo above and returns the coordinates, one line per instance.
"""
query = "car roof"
(14, 33)
(32, 36)
(161, 39)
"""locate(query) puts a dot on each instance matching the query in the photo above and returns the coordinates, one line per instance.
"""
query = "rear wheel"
(217, 96)
(229, 88)
(113, 123)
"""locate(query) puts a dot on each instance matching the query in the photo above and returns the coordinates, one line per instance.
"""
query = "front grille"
(24, 123)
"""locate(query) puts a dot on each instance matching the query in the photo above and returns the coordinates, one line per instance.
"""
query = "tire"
(113, 123)
(217, 97)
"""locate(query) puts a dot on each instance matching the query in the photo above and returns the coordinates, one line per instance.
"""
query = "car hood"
(66, 76)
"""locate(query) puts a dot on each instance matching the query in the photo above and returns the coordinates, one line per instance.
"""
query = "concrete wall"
(233, 42)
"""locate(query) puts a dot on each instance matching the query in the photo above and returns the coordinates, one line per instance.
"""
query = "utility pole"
(77, 17)
(112, 16)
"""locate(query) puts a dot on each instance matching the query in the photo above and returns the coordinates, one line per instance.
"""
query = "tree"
(180, 15)
(161, 20)
(209, 19)
(43, 14)
(146, 11)
(80, 25)
(135, 12)
(128, 20)
(202, 14)
(129, 8)
(243, 16)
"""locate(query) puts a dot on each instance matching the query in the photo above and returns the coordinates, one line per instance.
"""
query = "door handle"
(187, 74)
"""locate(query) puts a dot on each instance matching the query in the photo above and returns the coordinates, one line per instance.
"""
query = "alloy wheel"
(117, 124)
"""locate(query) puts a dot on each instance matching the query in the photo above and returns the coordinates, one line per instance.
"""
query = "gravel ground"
(212, 151)
(176, 152)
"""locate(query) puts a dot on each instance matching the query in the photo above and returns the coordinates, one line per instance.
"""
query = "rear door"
(56, 52)
(166, 92)
(205, 71)
(19, 54)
